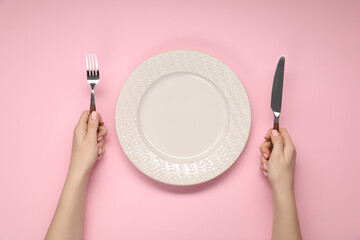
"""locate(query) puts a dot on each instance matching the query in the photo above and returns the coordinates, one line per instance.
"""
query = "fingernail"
(265, 166)
(265, 174)
(93, 115)
(275, 133)
(100, 138)
(100, 151)
(265, 155)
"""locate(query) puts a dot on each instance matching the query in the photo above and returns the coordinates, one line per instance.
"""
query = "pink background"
(43, 92)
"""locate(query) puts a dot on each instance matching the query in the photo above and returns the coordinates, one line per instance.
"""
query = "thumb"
(277, 141)
(92, 126)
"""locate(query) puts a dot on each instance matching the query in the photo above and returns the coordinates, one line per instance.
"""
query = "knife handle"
(276, 126)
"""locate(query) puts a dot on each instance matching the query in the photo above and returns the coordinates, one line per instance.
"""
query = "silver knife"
(276, 94)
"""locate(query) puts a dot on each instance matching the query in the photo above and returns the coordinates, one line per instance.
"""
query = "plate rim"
(126, 83)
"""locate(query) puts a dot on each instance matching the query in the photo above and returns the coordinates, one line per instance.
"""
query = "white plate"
(183, 117)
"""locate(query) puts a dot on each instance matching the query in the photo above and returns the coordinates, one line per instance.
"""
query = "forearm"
(285, 222)
(68, 220)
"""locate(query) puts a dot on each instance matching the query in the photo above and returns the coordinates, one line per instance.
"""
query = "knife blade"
(277, 89)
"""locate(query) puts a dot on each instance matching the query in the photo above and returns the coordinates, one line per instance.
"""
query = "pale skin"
(278, 165)
(88, 147)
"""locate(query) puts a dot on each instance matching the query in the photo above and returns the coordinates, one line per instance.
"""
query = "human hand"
(278, 164)
(88, 142)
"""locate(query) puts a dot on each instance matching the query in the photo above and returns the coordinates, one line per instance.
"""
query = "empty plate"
(183, 117)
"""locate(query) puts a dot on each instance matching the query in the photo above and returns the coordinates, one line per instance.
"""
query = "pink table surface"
(43, 91)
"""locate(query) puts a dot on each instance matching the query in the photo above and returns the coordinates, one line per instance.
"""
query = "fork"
(93, 76)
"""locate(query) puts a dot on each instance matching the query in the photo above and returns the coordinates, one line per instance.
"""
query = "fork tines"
(92, 65)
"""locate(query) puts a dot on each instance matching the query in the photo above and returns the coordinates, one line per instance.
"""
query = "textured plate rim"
(155, 67)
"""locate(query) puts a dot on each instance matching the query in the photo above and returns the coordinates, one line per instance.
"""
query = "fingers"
(102, 132)
(101, 149)
(286, 137)
(289, 146)
(93, 124)
(81, 127)
(281, 143)
(82, 123)
(263, 165)
(278, 143)
(265, 154)
(268, 135)
(265, 149)
(101, 153)
(101, 144)
(84, 120)
(101, 122)
(283, 133)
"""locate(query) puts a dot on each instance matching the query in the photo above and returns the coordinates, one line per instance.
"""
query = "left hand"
(88, 142)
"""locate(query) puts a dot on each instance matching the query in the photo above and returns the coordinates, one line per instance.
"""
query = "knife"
(276, 94)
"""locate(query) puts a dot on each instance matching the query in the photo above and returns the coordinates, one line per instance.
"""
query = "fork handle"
(92, 102)
(92, 108)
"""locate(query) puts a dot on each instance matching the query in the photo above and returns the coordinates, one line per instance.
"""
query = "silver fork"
(93, 76)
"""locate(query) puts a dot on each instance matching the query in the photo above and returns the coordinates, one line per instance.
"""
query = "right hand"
(278, 164)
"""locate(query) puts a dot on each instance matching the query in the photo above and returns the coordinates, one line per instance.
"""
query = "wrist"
(280, 194)
(78, 173)
(79, 166)
(282, 187)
